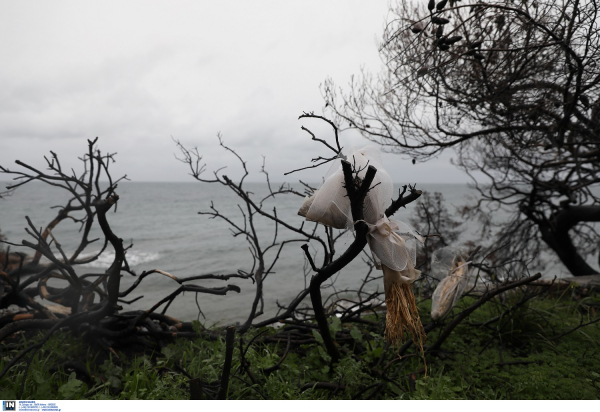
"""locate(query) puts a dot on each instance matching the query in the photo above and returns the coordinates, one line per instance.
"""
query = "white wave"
(134, 258)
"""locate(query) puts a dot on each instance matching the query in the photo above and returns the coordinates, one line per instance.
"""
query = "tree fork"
(556, 235)
(357, 197)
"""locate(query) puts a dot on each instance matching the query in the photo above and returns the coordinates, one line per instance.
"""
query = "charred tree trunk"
(556, 235)
(357, 197)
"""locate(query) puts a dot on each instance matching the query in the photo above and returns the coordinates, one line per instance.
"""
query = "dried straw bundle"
(402, 312)
(392, 243)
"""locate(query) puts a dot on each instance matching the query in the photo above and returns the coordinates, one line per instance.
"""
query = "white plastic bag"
(451, 287)
(443, 258)
(394, 248)
(330, 204)
(392, 243)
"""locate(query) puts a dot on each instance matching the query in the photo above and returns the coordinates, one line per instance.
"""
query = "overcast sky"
(136, 73)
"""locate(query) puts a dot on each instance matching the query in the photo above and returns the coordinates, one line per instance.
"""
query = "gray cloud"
(137, 73)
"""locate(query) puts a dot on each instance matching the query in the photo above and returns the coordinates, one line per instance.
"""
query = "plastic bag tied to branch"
(392, 243)
(456, 273)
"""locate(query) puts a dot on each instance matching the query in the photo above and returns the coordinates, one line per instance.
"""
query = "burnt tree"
(513, 87)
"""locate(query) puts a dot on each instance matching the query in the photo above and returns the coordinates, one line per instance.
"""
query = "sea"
(162, 223)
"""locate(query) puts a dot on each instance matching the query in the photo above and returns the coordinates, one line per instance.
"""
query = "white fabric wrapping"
(330, 204)
(393, 244)
(450, 289)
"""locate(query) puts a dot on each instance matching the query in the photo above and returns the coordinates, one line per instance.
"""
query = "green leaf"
(168, 351)
(335, 325)
(356, 334)
(317, 336)
(104, 397)
(6, 393)
(377, 352)
(394, 388)
(324, 354)
(111, 369)
(37, 377)
(114, 382)
(71, 388)
(44, 391)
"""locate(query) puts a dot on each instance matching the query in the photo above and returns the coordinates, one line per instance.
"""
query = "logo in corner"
(9, 405)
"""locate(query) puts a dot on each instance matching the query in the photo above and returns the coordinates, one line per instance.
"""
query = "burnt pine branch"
(357, 196)
(229, 341)
(403, 201)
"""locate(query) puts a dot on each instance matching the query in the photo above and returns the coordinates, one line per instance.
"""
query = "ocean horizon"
(161, 220)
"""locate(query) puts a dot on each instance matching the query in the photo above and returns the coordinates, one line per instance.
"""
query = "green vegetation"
(520, 356)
